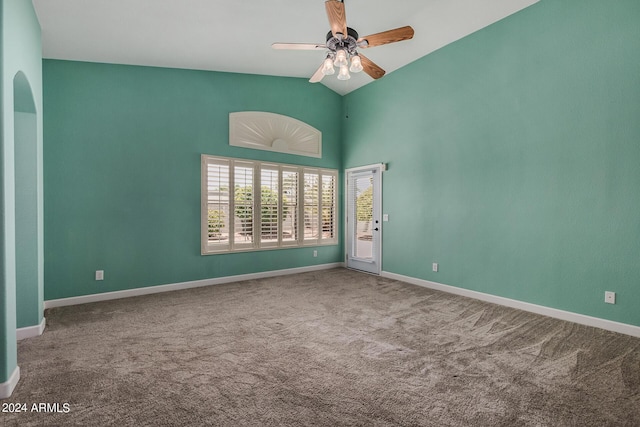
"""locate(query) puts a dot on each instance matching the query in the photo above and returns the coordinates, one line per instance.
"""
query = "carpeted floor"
(328, 348)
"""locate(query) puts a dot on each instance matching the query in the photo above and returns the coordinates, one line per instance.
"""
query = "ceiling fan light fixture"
(356, 64)
(342, 44)
(327, 68)
(344, 73)
(341, 59)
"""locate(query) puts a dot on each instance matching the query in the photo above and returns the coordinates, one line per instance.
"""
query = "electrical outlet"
(99, 274)
(610, 297)
(315, 254)
(434, 266)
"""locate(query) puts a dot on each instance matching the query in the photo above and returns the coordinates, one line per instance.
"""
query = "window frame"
(256, 242)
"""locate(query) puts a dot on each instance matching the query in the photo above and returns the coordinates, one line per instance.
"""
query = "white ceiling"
(236, 36)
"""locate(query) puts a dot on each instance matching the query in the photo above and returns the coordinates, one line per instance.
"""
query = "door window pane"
(363, 191)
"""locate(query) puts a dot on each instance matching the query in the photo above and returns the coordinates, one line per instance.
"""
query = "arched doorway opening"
(25, 125)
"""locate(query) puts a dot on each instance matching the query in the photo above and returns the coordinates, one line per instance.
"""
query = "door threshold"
(363, 271)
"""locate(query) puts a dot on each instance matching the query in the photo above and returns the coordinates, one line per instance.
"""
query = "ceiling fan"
(343, 43)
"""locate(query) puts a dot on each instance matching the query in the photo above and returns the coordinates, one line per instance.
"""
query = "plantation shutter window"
(311, 207)
(253, 205)
(243, 198)
(216, 220)
(290, 178)
(269, 206)
(328, 200)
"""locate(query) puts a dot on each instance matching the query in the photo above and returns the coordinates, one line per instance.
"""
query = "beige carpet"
(328, 348)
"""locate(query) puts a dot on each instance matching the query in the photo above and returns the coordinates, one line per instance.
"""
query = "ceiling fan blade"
(337, 17)
(298, 46)
(317, 76)
(371, 68)
(386, 37)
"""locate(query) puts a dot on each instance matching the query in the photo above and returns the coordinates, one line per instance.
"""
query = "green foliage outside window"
(216, 222)
(364, 205)
(243, 197)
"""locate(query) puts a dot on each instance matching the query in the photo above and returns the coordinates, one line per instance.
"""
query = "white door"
(364, 225)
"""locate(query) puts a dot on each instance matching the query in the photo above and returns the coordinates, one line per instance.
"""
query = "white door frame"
(377, 169)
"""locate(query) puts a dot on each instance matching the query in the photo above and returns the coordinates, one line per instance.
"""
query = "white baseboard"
(582, 319)
(31, 331)
(184, 285)
(6, 388)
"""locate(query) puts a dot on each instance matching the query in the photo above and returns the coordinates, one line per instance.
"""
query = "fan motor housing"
(349, 42)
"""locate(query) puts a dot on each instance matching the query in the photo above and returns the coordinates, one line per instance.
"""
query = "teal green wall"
(122, 170)
(29, 309)
(20, 56)
(514, 158)
(7, 307)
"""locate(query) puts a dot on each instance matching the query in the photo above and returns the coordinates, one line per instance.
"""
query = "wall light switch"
(99, 274)
(385, 217)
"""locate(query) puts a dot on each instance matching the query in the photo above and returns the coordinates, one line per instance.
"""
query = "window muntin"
(252, 205)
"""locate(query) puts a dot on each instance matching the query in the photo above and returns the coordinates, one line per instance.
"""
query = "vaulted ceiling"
(236, 36)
